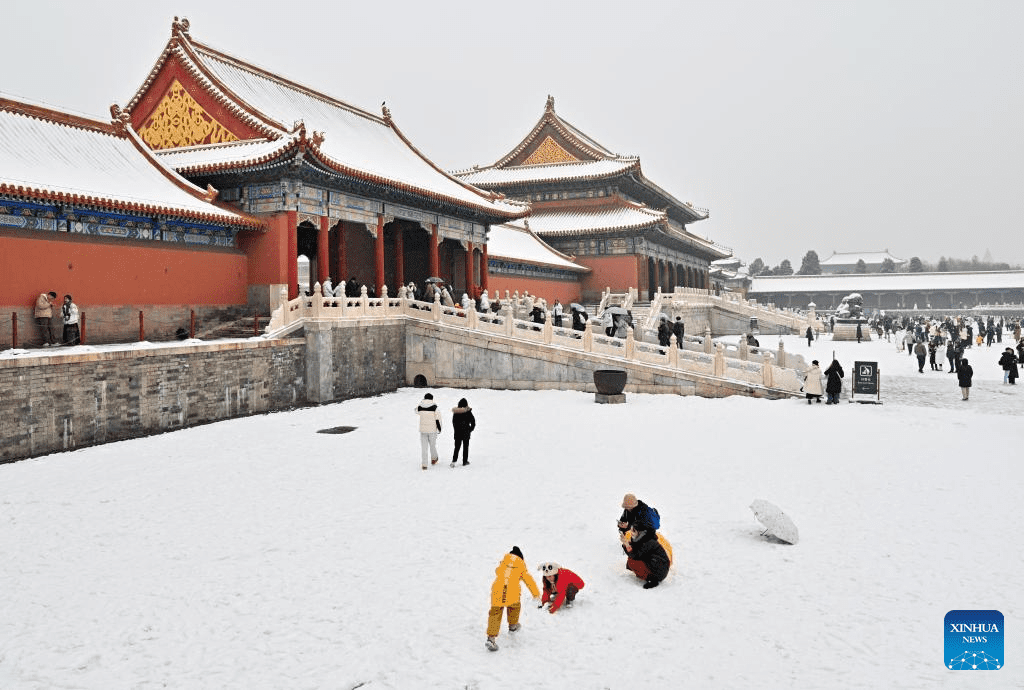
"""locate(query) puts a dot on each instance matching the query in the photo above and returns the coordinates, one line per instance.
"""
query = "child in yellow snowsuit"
(505, 594)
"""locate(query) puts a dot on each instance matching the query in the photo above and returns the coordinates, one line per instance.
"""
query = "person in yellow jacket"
(505, 594)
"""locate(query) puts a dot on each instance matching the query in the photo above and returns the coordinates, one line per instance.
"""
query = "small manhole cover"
(337, 430)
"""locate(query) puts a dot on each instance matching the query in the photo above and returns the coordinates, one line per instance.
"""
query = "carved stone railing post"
(744, 351)
(767, 375)
(782, 355)
(588, 338)
(286, 309)
(630, 343)
(673, 352)
(471, 318)
(548, 329)
(435, 309)
(720, 360)
(707, 341)
(318, 301)
(510, 317)
(364, 301)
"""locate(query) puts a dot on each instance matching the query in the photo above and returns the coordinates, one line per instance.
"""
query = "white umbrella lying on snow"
(777, 524)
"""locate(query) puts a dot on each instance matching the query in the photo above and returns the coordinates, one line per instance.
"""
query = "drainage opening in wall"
(420, 381)
(337, 430)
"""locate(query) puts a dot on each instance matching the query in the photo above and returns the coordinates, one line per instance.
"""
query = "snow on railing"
(696, 354)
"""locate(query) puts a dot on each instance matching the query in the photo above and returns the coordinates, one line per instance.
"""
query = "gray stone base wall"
(58, 403)
(120, 324)
(55, 402)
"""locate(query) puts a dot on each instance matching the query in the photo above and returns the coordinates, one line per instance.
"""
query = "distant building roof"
(869, 258)
(886, 282)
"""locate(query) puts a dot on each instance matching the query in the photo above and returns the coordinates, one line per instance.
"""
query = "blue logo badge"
(974, 640)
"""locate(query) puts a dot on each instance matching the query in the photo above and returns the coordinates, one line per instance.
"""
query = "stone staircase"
(246, 327)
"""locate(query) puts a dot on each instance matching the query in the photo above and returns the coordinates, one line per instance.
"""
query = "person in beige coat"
(812, 383)
(430, 427)
(43, 315)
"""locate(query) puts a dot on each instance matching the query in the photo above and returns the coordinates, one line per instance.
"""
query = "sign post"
(866, 381)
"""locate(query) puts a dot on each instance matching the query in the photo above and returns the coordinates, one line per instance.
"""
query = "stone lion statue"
(852, 307)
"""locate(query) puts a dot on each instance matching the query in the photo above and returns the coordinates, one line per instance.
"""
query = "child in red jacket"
(560, 585)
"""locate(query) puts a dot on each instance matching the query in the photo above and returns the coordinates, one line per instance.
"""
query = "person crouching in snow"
(647, 558)
(505, 594)
(560, 585)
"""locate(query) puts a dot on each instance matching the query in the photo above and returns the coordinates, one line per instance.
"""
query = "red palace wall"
(114, 272)
(267, 252)
(617, 272)
(550, 290)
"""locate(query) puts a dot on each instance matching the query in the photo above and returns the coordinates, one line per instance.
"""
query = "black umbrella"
(577, 307)
(617, 311)
(434, 280)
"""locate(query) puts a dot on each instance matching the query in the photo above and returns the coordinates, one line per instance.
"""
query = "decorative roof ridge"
(285, 147)
(571, 133)
(56, 116)
(313, 147)
(699, 213)
(178, 30)
(294, 85)
(485, 195)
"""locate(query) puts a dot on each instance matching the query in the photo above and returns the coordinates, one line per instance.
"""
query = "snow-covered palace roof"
(889, 282)
(60, 157)
(252, 103)
(515, 241)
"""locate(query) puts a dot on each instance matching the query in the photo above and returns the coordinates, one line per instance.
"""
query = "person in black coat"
(834, 385)
(633, 512)
(679, 330)
(964, 374)
(664, 333)
(463, 422)
(1008, 362)
(810, 336)
(647, 557)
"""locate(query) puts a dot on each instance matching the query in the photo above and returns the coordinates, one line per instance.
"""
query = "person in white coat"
(430, 427)
(485, 303)
(812, 383)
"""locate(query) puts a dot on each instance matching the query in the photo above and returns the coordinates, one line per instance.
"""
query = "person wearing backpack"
(634, 512)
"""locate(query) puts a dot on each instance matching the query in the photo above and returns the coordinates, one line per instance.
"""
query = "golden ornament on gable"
(179, 120)
(549, 152)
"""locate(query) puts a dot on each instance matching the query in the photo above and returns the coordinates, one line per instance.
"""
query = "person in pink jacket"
(560, 585)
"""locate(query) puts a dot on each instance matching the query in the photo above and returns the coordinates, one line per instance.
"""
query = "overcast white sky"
(833, 126)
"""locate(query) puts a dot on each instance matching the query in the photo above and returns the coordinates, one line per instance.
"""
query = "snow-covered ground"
(258, 553)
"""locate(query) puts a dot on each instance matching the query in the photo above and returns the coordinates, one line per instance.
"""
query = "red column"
(469, 268)
(378, 253)
(323, 257)
(435, 261)
(342, 255)
(400, 258)
(293, 254)
(483, 267)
